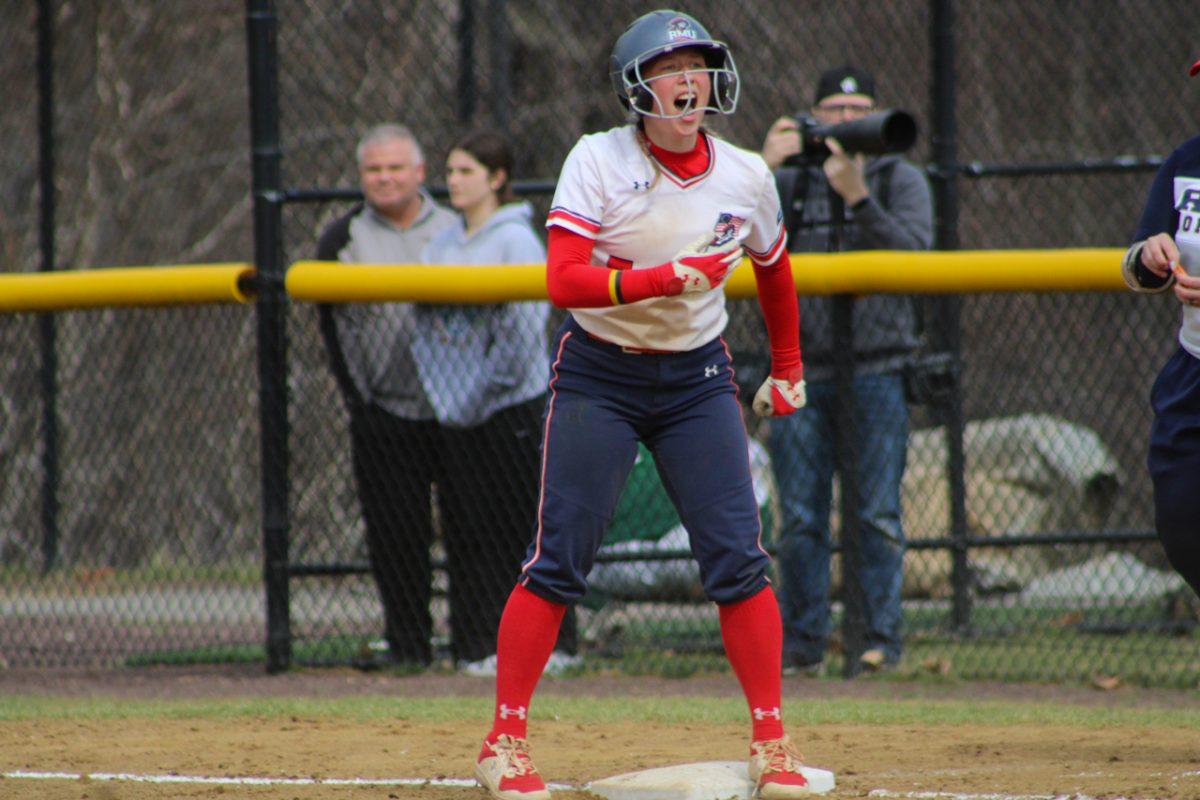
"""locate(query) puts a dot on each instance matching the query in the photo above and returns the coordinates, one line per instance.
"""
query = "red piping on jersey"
(764, 258)
(537, 539)
(560, 213)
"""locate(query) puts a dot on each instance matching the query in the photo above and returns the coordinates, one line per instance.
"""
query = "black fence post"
(466, 60)
(845, 449)
(271, 307)
(846, 455)
(500, 88)
(47, 328)
(945, 197)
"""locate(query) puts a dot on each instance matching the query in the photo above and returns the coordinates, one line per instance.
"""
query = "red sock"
(753, 634)
(528, 631)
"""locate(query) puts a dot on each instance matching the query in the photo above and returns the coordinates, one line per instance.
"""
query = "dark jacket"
(898, 215)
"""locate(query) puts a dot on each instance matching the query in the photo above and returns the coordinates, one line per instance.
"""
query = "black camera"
(890, 131)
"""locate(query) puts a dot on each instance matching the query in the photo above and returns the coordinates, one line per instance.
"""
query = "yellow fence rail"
(962, 271)
(905, 272)
(126, 286)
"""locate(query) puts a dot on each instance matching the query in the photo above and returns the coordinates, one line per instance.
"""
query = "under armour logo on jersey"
(711, 372)
(519, 712)
(763, 713)
(638, 185)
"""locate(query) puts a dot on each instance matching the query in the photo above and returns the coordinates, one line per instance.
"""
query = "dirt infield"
(887, 760)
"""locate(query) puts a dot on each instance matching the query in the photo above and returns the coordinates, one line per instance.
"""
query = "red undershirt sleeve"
(572, 281)
(781, 312)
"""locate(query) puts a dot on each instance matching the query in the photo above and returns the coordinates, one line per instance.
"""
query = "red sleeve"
(781, 312)
(574, 282)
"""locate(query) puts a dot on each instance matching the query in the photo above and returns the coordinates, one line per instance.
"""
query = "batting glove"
(778, 397)
(700, 269)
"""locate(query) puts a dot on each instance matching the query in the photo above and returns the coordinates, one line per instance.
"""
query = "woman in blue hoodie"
(483, 368)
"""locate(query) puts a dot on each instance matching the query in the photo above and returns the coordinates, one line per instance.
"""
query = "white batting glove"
(778, 397)
(700, 269)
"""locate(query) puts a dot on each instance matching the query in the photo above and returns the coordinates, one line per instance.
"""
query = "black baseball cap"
(845, 79)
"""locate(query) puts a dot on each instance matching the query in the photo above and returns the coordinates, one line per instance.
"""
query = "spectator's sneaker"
(795, 667)
(506, 771)
(483, 668)
(875, 660)
(775, 769)
(378, 654)
(561, 663)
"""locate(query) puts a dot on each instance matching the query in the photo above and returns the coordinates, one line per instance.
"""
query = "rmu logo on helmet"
(665, 31)
(681, 28)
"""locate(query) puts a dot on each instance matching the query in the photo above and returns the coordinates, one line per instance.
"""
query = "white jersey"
(608, 192)
(1187, 237)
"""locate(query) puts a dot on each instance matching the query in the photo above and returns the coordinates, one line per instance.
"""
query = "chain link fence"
(155, 553)
(131, 523)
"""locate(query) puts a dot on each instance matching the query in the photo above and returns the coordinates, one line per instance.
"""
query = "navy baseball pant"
(603, 399)
(1174, 463)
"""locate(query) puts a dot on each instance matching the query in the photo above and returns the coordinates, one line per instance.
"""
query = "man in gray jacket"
(883, 204)
(369, 353)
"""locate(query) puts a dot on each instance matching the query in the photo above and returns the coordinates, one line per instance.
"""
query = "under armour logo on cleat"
(711, 372)
(763, 713)
(519, 712)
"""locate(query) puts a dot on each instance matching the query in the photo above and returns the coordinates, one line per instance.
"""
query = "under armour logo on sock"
(519, 712)
(762, 713)
(711, 372)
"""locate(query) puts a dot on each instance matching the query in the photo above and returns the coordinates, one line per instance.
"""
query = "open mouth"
(685, 103)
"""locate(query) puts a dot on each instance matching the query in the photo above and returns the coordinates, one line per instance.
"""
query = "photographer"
(836, 200)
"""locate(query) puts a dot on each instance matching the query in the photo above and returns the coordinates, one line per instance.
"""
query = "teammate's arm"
(574, 282)
(1146, 265)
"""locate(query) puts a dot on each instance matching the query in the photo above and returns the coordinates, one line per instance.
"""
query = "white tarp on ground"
(1108, 577)
(1026, 474)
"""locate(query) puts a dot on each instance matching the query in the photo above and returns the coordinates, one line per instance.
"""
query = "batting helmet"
(661, 32)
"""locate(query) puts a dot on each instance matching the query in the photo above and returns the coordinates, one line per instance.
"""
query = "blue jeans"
(804, 460)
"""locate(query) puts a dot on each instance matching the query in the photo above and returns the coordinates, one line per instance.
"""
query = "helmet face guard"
(665, 31)
(723, 80)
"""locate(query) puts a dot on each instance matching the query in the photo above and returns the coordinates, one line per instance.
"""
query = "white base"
(707, 780)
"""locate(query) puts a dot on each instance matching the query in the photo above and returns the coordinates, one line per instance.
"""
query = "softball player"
(1166, 253)
(646, 223)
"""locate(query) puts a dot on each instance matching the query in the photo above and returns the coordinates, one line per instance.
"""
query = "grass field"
(221, 732)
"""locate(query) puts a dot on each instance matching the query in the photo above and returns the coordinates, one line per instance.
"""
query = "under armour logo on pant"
(519, 712)
(711, 372)
(763, 713)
